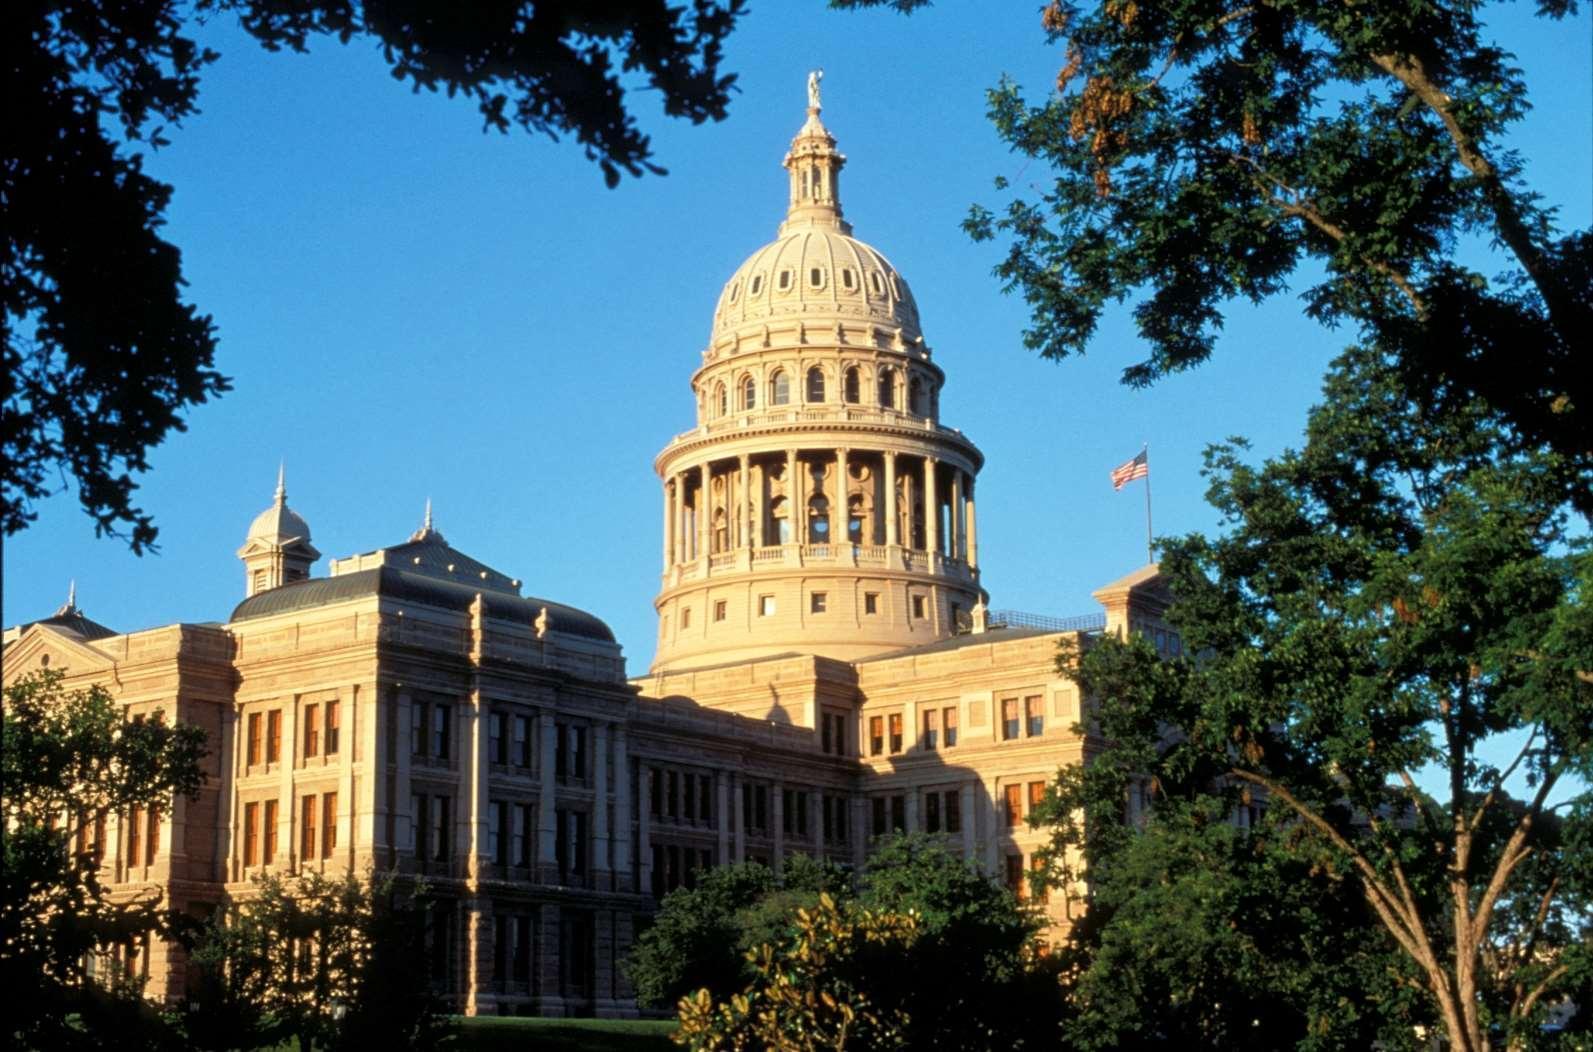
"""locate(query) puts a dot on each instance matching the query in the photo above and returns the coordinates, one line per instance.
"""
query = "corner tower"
(818, 506)
(277, 550)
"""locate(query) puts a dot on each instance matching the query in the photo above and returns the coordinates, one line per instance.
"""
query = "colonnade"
(748, 514)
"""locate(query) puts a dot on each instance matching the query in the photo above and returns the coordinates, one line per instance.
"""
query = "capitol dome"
(814, 272)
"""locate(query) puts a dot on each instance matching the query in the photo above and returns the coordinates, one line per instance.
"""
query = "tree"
(1207, 151)
(102, 356)
(970, 975)
(330, 963)
(68, 760)
(701, 935)
(810, 992)
(1402, 598)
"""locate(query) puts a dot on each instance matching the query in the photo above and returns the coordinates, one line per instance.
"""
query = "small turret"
(277, 550)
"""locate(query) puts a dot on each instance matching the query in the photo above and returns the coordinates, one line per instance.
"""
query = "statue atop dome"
(814, 76)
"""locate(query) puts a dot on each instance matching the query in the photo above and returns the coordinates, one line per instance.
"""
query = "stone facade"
(827, 668)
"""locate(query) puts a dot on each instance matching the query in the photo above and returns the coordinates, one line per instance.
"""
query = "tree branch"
(1514, 852)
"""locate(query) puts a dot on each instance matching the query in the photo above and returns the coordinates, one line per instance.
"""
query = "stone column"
(722, 815)
(624, 878)
(669, 526)
(602, 874)
(859, 810)
(682, 537)
(288, 809)
(957, 538)
(839, 516)
(759, 515)
(973, 532)
(705, 513)
(777, 824)
(740, 805)
(912, 809)
(403, 821)
(744, 514)
(795, 515)
(644, 839)
(547, 854)
(361, 742)
(892, 524)
(931, 510)
(997, 824)
(967, 796)
(227, 796)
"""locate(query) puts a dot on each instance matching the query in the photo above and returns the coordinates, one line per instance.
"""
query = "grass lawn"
(495, 1033)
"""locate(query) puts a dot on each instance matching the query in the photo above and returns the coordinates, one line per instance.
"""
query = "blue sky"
(411, 308)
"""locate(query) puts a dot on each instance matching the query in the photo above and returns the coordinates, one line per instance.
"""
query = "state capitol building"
(827, 669)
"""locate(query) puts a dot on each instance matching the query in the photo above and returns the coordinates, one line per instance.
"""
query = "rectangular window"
(1037, 889)
(826, 738)
(420, 825)
(522, 949)
(577, 761)
(525, 833)
(876, 735)
(251, 834)
(787, 811)
(765, 606)
(1034, 715)
(255, 741)
(746, 805)
(953, 811)
(720, 608)
(1009, 719)
(1015, 875)
(760, 807)
(417, 729)
(333, 726)
(899, 814)
(312, 731)
(870, 602)
(931, 732)
(268, 834)
(705, 810)
(522, 741)
(672, 798)
(948, 720)
(880, 820)
(1036, 795)
(135, 822)
(497, 845)
(817, 602)
(274, 736)
(896, 732)
(439, 828)
(307, 840)
(497, 746)
(932, 813)
(801, 802)
(328, 824)
(441, 721)
(1014, 804)
(918, 607)
(685, 617)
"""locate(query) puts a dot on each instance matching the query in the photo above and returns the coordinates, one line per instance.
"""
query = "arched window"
(818, 521)
(721, 531)
(815, 384)
(749, 393)
(854, 520)
(778, 510)
(915, 396)
(851, 388)
(779, 388)
(887, 388)
(722, 399)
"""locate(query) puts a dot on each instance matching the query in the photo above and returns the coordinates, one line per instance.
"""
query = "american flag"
(1130, 470)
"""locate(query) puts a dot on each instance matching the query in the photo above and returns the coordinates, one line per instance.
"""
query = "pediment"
(47, 646)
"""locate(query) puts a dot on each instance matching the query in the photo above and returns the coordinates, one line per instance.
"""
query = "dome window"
(721, 400)
(785, 281)
(848, 279)
(780, 388)
(815, 384)
(878, 283)
(887, 388)
(915, 396)
(749, 393)
(816, 277)
(757, 286)
(851, 387)
(735, 290)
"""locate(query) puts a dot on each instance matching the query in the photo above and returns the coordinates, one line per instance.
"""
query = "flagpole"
(1150, 555)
